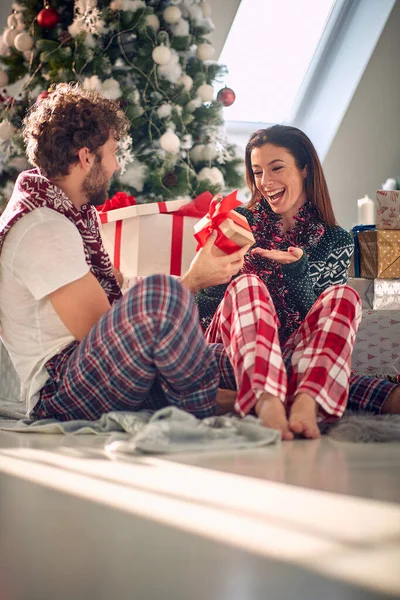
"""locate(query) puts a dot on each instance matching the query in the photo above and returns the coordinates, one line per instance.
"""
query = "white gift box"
(388, 209)
(377, 294)
(146, 239)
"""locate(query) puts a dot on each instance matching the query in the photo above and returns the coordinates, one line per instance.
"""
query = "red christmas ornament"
(42, 96)
(226, 96)
(48, 18)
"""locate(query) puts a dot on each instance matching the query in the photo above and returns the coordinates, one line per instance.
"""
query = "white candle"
(366, 211)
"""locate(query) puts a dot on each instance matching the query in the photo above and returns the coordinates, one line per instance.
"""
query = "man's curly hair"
(70, 118)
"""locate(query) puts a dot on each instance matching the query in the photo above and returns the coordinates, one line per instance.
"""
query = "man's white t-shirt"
(42, 252)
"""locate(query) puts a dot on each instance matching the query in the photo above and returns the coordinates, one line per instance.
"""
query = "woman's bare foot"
(303, 417)
(272, 413)
(225, 401)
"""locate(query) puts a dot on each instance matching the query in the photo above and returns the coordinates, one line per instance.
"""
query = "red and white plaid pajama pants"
(318, 354)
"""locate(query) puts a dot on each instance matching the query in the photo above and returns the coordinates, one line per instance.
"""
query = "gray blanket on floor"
(173, 430)
(166, 431)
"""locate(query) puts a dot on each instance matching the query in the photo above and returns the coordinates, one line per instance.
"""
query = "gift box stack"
(375, 271)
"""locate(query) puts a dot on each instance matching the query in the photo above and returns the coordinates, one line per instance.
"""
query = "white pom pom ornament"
(9, 36)
(153, 21)
(213, 175)
(172, 14)
(205, 92)
(23, 42)
(186, 81)
(169, 142)
(205, 51)
(161, 55)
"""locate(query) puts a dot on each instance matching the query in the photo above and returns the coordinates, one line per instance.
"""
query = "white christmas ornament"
(132, 5)
(9, 36)
(164, 111)
(172, 71)
(110, 89)
(210, 152)
(4, 49)
(196, 153)
(205, 9)
(172, 14)
(186, 81)
(153, 21)
(213, 175)
(92, 83)
(169, 142)
(205, 92)
(7, 130)
(161, 55)
(3, 79)
(181, 28)
(205, 51)
(193, 104)
(23, 42)
(12, 21)
(20, 21)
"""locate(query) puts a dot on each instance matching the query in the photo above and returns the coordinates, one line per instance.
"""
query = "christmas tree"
(155, 58)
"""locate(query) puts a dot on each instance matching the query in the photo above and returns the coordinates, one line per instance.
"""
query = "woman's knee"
(345, 292)
(248, 280)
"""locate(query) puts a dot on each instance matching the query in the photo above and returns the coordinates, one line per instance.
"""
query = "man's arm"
(212, 267)
(80, 304)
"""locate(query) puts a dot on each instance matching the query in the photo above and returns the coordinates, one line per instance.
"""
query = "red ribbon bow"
(197, 207)
(218, 212)
(120, 200)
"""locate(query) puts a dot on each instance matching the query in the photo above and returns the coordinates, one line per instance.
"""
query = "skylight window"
(268, 51)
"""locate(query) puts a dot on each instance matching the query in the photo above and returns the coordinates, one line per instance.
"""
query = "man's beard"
(95, 184)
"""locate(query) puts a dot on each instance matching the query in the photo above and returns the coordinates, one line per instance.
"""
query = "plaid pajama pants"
(148, 351)
(316, 359)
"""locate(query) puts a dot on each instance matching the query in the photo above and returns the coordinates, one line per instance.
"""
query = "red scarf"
(32, 190)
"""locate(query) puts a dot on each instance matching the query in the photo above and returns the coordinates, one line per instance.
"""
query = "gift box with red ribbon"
(144, 239)
(233, 229)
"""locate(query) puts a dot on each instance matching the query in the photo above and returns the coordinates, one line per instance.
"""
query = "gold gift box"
(379, 253)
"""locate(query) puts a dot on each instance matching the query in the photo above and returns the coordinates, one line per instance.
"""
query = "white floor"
(307, 519)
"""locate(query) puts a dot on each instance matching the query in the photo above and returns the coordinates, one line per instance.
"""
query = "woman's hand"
(284, 257)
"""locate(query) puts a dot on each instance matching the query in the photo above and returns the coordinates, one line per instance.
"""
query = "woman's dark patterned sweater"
(294, 287)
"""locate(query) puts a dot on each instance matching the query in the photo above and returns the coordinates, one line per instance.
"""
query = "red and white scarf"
(32, 190)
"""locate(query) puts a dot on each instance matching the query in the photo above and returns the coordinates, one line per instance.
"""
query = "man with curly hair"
(79, 347)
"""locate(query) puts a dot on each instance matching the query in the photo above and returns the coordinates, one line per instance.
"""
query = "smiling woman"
(302, 256)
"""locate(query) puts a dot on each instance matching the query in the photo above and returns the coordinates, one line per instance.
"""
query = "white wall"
(366, 148)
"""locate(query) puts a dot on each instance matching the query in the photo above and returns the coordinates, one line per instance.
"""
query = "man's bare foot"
(272, 413)
(225, 401)
(303, 417)
(392, 402)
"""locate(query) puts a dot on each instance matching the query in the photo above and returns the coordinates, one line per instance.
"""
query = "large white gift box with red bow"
(149, 238)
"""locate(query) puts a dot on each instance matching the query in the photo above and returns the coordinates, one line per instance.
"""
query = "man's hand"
(284, 257)
(211, 267)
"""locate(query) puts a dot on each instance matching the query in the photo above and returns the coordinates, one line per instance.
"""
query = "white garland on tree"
(171, 71)
(87, 18)
(125, 154)
(135, 175)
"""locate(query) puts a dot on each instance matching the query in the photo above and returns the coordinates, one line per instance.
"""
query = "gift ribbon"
(218, 212)
(356, 230)
(119, 200)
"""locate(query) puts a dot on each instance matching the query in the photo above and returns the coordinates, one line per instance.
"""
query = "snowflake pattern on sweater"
(294, 287)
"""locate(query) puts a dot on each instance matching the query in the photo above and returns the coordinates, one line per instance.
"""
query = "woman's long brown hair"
(300, 147)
